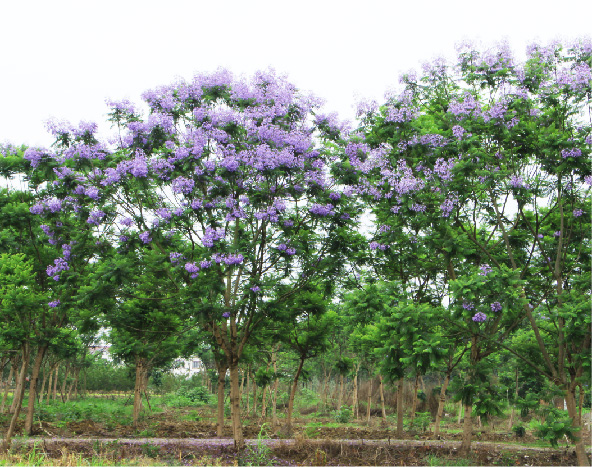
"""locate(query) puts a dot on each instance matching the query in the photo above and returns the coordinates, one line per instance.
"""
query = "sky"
(62, 59)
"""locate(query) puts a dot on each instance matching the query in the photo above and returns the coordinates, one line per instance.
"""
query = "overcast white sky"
(63, 58)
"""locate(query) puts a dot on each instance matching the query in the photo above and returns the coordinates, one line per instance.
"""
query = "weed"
(260, 454)
(150, 450)
(439, 461)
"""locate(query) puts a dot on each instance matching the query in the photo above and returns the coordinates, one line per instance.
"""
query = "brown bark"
(33, 389)
(18, 399)
(55, 383)
(74, 384)
(355, 412)
(400, 408)
(467, 433)
(7, 387)
(382, 398)
(293, 393)
(138, 391)
(254, 396)
(222, 367)
(263, 401)
(63, 388)
(414, 404)
(248, 389)
(49, 384)
(43, 383)
(441, 403)
(581, 454)
(368, 408)
(237, 429)
(340, 395)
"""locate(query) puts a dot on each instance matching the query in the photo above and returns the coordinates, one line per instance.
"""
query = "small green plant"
(519, 430)
(343, 415)
(555, 427)
(439, 461)
(259, 454)
(422, 420)
(150, 450)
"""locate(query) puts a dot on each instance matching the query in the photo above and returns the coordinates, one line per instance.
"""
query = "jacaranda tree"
(482, 169)
(234, 170)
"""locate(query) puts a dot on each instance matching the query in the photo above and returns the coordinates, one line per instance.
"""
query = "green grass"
(437, 461)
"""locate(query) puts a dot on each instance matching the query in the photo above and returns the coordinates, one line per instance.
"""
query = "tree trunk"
(138, 391)
(248, 393)
(414, 405)
(581, 454)
(63, 388)
(7, 387)
(49, 383)
(18, 399)
(340, 395)
(382, 398)
(41, 393)
(74, 384)
(514, 404)
(237, 429)
(263, 401)
(467, 434)
(254, 396)
(293, 393)
(355, 412)
(33, 390)
(276, 383)
(460, 410)
(441, 403)
(368, 408)
(400, 408)
(222, 367)
(55, 383)
(327, 376)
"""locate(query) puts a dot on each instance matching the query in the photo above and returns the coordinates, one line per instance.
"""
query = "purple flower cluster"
(496, 306)
(518, 182)
(256, 289)
(191, 267)
(322, 210)
(183, 185)
(485, 269)
(54, 303)
(233, 259)
(577, 212)
(60, 265)
(479, 317)
(175, 257)
(212, 235)
(145, 237)
(458, 131)
(575, 152)
(468, 305)
(95, 217)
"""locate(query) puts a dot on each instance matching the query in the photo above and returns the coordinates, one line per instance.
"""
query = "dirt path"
(200, 442)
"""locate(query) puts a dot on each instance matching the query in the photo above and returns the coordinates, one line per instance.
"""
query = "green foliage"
(259, 454)
(343, 415)
(557, 425)
(519, 430)
(422, 420)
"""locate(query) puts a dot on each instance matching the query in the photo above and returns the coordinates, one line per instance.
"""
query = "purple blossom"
(577, 212)
(126, 221)
(212, 235)
(557, 233)
(123, 238)
(468, 305)
(191, 268)
(36, 209)
(479, 317)
(226, 314)
(205, 264)
(290, 251)
(334, 196)
(458, 131)
(540, 236)
(92, 192)
(575, 152)
(66, 251)
(256, 289)
(54, 205)
(145, 237)
(418, 207)
(496, 306)
(485, 269)
(183, 185)
(374, 245)
(54, 303)
(174, 257)
(139, 167)
(288, 223)
(282, 247)
(196, 204)
(60, 265)
(322, 210)
(233, 259)
(517, 182)
(95, 217)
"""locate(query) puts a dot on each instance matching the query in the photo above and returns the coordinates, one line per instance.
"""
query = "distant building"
(188, 366)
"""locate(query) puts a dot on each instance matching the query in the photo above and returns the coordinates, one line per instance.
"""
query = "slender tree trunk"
(293, 393)
(467, 433)
(414, 405)
(276, 382)
(41, 393)
(74, 383)
(18, 398)
(340, 394)
(514, 404)
(400, 408)
(355, 412)
(55, 383)
(254, 397)
(6, 388)
(382, 398)
(33, 389)
(63, 388)
(138, 391)
(369, 407)
(441, 403)
(222, 367)
(248, 393)
(263, 401)
(49, 384)
(581, 454)
(237, 429)
(327, 376)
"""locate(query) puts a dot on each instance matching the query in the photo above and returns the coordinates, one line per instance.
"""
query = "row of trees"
(234, 205)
